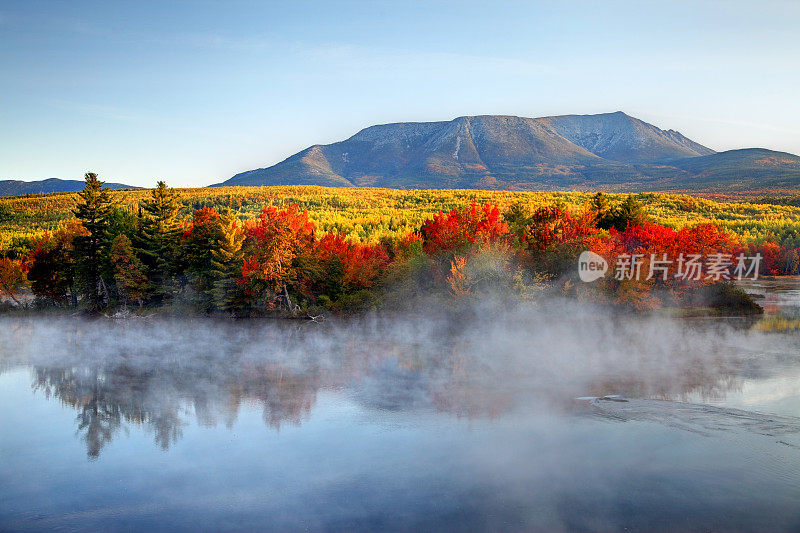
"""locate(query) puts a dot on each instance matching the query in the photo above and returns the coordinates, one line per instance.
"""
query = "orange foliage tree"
(275, 246)
(12, 277)
(553, 227)
(200, 237)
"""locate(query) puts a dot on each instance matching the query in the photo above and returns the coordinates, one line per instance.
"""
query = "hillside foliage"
(370, 214)
(306, 250)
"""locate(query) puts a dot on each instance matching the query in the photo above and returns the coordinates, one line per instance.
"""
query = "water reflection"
(779, 296)
(163, 375)
(106, 398)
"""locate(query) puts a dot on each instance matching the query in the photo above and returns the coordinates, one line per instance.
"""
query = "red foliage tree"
(204, 221)
(652, 256)
(550, 227)
(773, 257)
(702, 239)
(461, 228)
(272, 246)
(361, 264)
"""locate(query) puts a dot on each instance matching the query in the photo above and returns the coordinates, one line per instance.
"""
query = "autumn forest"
(111, 253)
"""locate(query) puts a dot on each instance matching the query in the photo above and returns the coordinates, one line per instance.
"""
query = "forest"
(308, 252)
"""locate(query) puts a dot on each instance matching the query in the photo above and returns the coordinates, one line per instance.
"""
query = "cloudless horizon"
(195, 92)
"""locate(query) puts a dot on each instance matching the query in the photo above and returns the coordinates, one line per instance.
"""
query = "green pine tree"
(226, 263)
(600, 204)
(93, 211)
(159, 239)
(629, 212)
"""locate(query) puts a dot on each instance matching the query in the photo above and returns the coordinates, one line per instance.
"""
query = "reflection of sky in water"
(777, 393)
(398, 425)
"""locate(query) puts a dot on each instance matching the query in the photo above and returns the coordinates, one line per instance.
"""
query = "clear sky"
(194, 92)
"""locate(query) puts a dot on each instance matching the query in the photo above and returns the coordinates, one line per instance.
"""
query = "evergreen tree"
(93, 211)
(159, 236)
(630, 212)
(226, 263)
(199, 240)
(792, 262)
(121, 221)
(599, 204)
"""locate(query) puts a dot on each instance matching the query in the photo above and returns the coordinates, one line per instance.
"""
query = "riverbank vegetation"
(312, 251)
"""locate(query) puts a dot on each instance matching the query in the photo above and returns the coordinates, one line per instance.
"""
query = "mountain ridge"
(49, 185)
(605, 135)
(607, 150)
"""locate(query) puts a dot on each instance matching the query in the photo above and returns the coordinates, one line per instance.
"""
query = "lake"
(537, 418)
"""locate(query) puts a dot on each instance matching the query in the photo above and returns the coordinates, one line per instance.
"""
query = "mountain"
(457, 153)
(620, 137)
(610, 151)
(20, 188)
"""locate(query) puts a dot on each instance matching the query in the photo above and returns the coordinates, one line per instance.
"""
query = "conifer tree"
(200, 238)
(159, 235)
(630, 212)
(226, 263)
(93, 211)
(599, 204)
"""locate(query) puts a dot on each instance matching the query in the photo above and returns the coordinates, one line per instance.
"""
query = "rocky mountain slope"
(611, 151)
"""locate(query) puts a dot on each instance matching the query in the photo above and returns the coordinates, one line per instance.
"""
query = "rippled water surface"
(552, 417)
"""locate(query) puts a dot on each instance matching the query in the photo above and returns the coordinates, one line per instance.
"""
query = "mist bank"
(498, 359)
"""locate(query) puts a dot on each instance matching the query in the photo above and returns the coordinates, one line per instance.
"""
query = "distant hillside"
(757, 168)
(21, 188)
(608, 151)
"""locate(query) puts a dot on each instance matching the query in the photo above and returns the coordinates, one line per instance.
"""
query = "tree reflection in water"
(157, 376)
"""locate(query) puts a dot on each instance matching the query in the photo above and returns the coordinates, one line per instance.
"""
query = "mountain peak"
(621, 137)
(493, 151)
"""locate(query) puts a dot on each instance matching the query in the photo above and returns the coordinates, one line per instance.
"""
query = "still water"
(504, 420)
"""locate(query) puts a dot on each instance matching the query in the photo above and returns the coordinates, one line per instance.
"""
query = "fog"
(496, 358)
(503, 417)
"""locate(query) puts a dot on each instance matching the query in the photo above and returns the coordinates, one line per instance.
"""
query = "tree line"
(152, 256)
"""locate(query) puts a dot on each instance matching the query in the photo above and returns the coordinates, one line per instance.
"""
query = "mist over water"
(502, 418)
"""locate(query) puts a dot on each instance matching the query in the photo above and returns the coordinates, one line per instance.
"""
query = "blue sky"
(194, 92)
